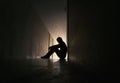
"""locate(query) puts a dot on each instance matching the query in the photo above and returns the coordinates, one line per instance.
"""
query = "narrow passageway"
(47, 71)
(36, 71)
(30, 27)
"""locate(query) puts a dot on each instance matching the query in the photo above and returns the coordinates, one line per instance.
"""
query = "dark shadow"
(60, 49)
(62, 61)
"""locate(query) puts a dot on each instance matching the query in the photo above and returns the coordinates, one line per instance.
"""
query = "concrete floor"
(48, 71)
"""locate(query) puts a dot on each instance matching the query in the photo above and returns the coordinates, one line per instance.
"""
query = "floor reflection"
(56, 66)
(34, 71)
(46, 71)
(58, 70)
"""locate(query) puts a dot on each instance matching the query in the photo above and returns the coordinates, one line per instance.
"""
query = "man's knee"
(54, 49)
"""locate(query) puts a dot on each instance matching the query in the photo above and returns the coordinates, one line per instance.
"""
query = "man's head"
(59, 39)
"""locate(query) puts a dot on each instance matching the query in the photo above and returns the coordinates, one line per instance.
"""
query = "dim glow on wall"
(54, 17)
(57, 27)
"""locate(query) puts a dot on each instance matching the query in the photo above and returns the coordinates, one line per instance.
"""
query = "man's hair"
(59, 39)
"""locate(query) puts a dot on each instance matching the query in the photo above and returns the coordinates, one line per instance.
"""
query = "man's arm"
(56, 46)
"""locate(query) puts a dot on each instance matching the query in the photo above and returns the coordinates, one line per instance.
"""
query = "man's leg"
(50, 52)
(60, 54)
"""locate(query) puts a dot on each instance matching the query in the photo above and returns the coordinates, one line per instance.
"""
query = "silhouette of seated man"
(60, 49)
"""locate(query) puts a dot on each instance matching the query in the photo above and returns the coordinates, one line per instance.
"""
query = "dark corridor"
(50, 71)
(90, 29)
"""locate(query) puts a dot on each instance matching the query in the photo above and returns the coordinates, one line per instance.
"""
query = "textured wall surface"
(27, 25)
(92, 33)
(23, 34)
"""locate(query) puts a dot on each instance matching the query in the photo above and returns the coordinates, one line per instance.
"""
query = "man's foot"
(45, 57)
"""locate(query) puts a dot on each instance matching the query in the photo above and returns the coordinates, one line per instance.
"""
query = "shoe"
(45, 57)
